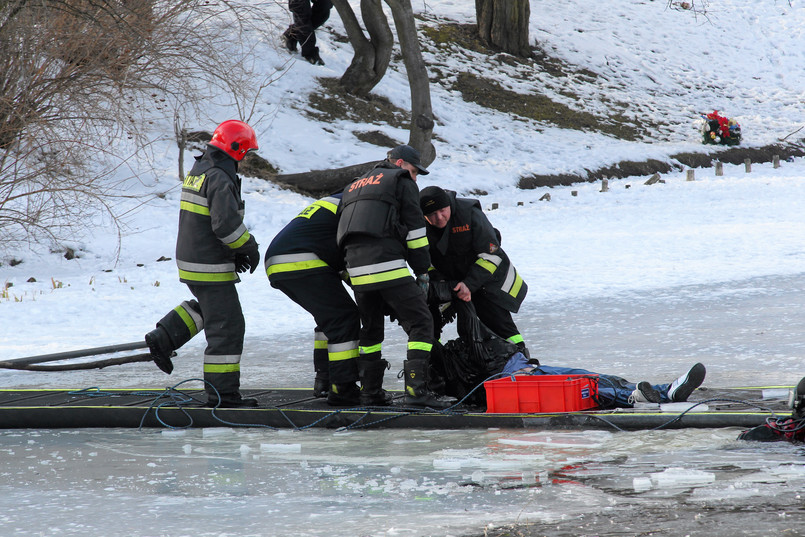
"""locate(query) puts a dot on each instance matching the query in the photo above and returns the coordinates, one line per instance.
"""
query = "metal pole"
(78, 353)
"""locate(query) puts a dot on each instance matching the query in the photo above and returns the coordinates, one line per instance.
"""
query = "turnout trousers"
(407, 302)
(338, 322)
(217, 311)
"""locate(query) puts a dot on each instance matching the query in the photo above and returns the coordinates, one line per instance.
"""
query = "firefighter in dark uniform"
(381, 230)
(304, 262)
(308, 15)
(465, 252)
(213, 246)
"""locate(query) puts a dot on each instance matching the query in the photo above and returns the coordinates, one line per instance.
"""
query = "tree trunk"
(319, 183)
(504, 24)
(372, 55)
(421, 109)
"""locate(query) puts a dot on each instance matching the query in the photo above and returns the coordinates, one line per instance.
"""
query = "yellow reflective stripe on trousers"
(187, 318)
(221, 368)
(370, 349)
(419, 346)
(221, 363)
(343, 351)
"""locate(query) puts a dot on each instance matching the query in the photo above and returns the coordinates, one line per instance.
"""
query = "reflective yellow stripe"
(517, 338)
(370, 349)
(188, 320)
(381, 277)
(419, 346)
(518, 283)
(418, 243)
(208, 276)
(320, 344)
(297, 265)
(491, 267)
(343, 355)
(194, 208)
(324, 203)
(330, 206)
(221, 368)
(241, 241)
(377, 268)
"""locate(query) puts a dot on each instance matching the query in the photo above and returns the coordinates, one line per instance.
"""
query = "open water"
(224, 482)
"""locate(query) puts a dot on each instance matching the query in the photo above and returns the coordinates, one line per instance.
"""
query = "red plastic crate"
(541, 393)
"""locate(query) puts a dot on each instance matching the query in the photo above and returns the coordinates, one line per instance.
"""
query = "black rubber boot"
(232, 401)
(344, 395)
(417, 392)
(161, 348)
(371, 373)
(175, 329)
(321, 384)
(223, 391)
(314, 57)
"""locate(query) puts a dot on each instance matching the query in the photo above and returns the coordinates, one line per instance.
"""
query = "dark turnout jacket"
(211, 228)
(468, 249)
(307, 244)
(381, 229)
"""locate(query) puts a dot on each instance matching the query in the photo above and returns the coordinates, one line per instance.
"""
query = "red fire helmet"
(234, 137)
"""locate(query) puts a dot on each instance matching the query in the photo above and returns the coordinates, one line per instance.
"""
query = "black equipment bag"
(461, 364)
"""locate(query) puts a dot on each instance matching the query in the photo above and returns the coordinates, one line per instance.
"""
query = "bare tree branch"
(81, 78)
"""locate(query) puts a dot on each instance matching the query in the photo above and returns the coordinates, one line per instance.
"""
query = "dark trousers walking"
(307, 17)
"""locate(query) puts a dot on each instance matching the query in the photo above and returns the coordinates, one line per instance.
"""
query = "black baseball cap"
(409, 155)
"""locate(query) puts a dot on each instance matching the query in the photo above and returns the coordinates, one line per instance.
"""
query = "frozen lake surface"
(254, 482)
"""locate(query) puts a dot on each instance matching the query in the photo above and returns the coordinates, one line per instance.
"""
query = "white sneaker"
(645, 393)
(681, 388)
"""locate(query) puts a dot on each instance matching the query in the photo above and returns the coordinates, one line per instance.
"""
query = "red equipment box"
(541, 393)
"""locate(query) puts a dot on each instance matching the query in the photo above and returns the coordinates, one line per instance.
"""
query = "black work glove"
(241, 263)
(247, 256)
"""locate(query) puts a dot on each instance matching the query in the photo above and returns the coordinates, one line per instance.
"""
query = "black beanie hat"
(433, 198)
